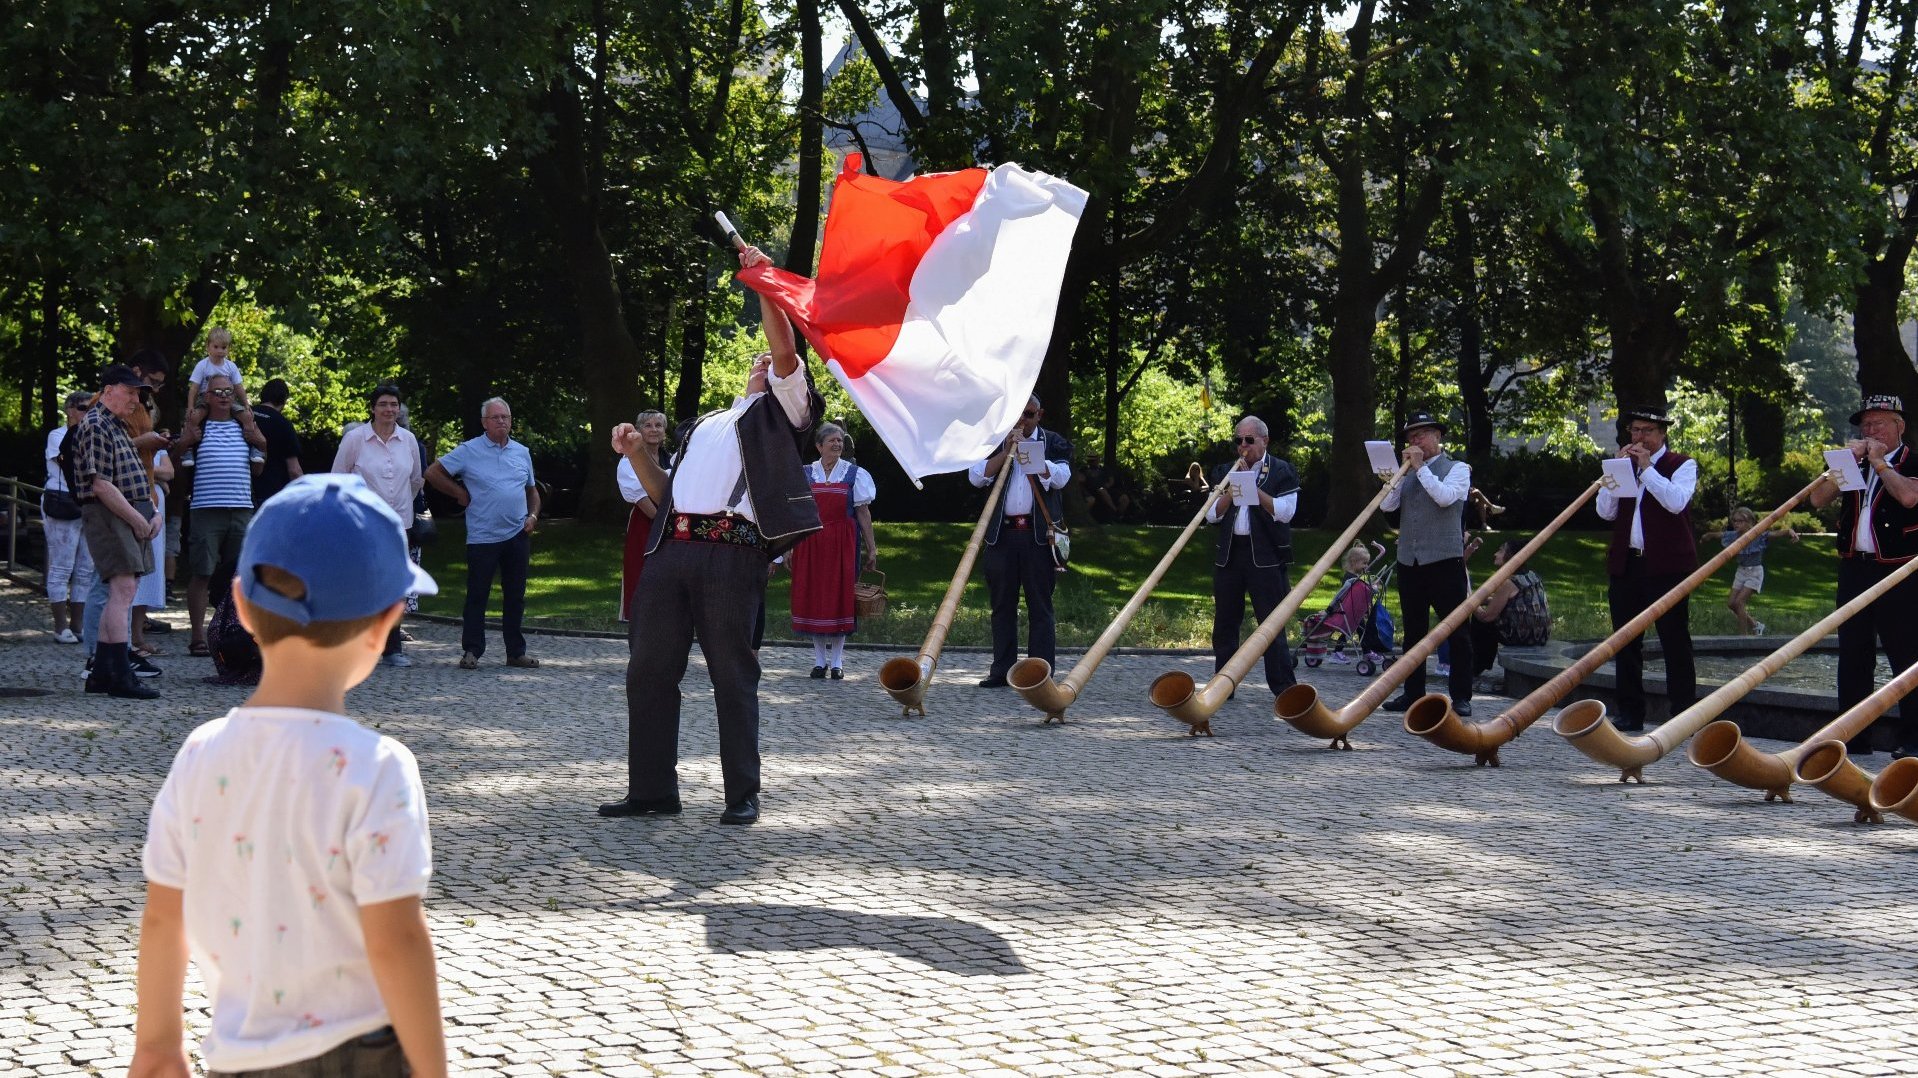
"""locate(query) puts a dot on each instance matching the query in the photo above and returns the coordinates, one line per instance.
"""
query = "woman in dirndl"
(826, 564)
(639, 523)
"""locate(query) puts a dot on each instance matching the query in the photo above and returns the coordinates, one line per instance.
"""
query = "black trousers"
(714, 590)
(1437, 586)
(509, 559)
(1891, 621)
(1016, 564)
(1484, 645)
(1267, 585)
(1629, 596)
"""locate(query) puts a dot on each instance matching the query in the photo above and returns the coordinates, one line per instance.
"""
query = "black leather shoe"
(1463, 711)
(1903, 751)
(1629, 726)
(838, 674)
(992, 683)
(744, 811)
(666, 806)
(1398, 703)
(818, 672)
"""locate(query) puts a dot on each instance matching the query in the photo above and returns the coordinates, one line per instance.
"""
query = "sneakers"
(141, 666)
(1340, 658)
(469, 661)
(398, 658)
(1445, 669)
(1758, 628)
(65, 636)
(186, 459)
(524, 662)
(256, 457)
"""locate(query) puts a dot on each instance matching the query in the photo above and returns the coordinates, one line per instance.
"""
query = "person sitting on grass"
(1749, 578)
(288, 851)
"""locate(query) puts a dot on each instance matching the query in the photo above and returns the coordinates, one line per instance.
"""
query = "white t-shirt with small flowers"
(278, 824)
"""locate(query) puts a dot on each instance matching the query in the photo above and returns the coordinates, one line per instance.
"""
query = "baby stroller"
(1356, 613)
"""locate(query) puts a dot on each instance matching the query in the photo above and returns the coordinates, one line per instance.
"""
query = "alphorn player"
(1430, 499)
(1877, 531)
(735, 498)
(1018, 548)
(1254, 549)
(1652, 550)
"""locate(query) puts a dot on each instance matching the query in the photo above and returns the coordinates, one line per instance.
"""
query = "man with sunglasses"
(1653, 548)
(1018, 543)
(228, 449)
(1254, 548)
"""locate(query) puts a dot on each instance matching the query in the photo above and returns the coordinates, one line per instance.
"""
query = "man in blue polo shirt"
(492, 476)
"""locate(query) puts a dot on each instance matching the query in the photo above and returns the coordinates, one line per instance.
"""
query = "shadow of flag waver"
(934, 302)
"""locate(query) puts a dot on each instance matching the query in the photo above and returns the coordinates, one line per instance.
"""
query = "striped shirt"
(105, 450)
(222, 477)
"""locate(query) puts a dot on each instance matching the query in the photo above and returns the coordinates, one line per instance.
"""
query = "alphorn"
(906, 679)
(1591, 732)
(1177, 694)
(1896, 787)
(1033, 677)
(1721, 749)
(1300, 704)
(1431, 716)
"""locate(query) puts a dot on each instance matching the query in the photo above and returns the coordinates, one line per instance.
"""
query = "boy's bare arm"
(158, 1047)
(400, 950)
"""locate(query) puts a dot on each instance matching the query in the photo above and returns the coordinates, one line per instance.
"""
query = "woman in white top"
(826, 564)
(652, 435)
(69, 566)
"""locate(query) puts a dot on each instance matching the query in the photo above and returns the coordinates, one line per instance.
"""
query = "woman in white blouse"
(826, 564)
(652, 435)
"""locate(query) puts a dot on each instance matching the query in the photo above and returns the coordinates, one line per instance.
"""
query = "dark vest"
(1670, 545)
(769, 447)
(1057, 448)
(1893, 527)
(1271, 539)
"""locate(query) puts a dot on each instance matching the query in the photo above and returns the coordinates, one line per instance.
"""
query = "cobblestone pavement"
(976, 893)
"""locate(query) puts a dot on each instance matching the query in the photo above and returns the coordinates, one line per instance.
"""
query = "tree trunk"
(49, 342)
(1883, 365)
(609, 360)
(1472, 378)
(692, 352)
(1354, 405)
(805, 233)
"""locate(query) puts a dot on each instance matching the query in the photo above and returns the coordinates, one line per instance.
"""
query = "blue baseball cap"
(341, 540)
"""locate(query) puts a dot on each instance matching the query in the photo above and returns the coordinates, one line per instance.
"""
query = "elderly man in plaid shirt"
(117, 522)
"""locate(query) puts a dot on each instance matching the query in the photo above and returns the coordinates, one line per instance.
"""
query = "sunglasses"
(1028, 414)
(220, 392)
(1248, 439)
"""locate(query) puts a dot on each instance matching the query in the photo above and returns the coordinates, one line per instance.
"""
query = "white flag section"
(934, 302)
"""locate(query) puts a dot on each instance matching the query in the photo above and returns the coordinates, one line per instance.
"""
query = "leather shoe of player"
(1463, 711)
(992, 683)
(632, 806)
(1398, 703)
(744, 811)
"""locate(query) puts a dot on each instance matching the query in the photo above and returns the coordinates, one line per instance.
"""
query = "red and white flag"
(934, 302)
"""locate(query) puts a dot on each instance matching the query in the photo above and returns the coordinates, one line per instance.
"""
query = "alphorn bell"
(1300, 704)
(1896, 787)
(1176, 693)
(906, 679)
(1033, 677)
(1585, 725)
(1433, 719)
(1721, 748)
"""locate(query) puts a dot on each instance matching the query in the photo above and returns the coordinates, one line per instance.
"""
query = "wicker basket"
(869, 598)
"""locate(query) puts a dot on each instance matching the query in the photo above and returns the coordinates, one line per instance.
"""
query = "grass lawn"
(575, 582)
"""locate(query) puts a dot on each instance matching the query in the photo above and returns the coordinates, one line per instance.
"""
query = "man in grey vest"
(1431, 571)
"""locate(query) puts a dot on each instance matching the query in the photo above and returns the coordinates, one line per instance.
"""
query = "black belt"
(1023, 522)
(726, 529)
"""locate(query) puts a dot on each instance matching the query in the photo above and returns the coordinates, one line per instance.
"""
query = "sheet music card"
(1245, 487)
(1846, 465)
(1620, 477)
(1031, 456)
(1384, 463)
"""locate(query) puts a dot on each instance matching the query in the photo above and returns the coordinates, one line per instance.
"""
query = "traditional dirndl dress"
(825, 564)
(639, 528)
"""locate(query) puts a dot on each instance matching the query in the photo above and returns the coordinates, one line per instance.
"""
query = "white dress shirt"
(1862, 539)
(1456, 485)
(1284, 506)
(710, 467)
(1674, 494)
(1018, 501)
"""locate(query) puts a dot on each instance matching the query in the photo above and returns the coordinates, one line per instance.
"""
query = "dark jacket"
(769, 448)
(1894, 527)
(1057, 448)
(1271, 539)
(1671, 547)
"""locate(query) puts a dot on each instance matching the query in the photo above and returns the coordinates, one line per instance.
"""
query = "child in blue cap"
(288, 848)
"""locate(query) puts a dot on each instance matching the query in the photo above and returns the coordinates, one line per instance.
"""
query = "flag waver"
(934, 302)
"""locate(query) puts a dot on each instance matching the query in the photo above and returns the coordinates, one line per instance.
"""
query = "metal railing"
(20, 497)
